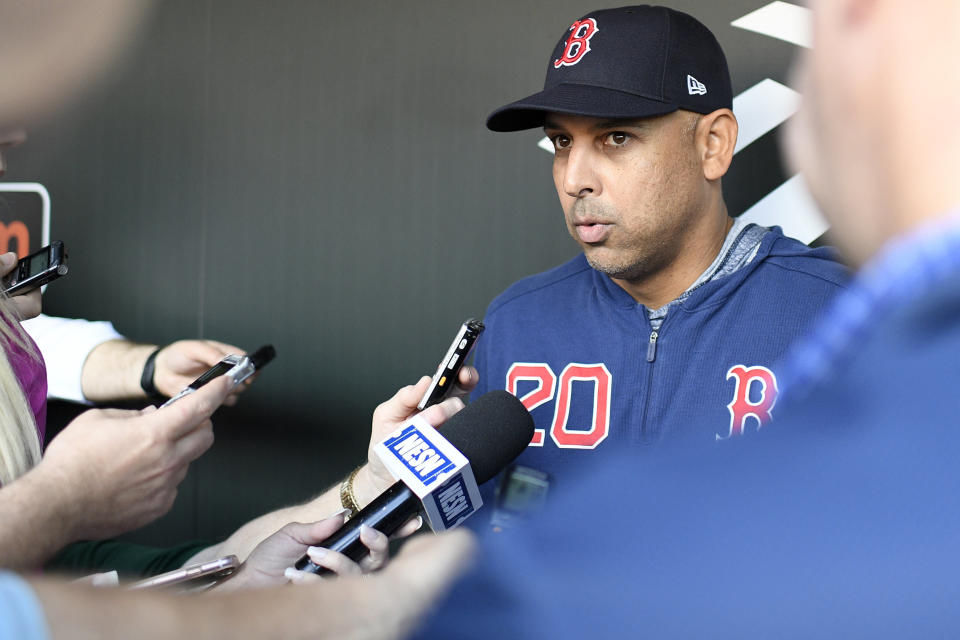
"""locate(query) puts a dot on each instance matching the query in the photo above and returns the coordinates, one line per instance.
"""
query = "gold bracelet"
(348, 499)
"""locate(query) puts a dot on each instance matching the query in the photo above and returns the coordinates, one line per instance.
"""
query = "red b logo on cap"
(578, 43)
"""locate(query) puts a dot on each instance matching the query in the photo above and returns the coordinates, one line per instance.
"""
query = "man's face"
(836, 150)
(630, 190)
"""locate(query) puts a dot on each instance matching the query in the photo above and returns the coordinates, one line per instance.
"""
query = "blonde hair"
(19, 439)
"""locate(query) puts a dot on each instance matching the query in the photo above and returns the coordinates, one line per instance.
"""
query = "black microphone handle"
(386, 514)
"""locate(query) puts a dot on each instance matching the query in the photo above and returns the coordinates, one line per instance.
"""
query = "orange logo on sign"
(18, 231)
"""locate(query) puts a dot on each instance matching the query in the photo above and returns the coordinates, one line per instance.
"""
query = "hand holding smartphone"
(446, 376)
(239, 368)
(196, 577)
(36, 270)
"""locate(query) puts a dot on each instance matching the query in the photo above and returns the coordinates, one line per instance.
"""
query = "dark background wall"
(317, 175)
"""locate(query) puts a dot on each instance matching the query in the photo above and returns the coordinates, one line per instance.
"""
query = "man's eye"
(617, 138)
(561, 141)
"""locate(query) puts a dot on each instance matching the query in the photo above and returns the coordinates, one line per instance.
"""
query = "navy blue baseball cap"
(631, 62)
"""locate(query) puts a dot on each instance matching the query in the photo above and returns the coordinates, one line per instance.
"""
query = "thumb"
(404, 402)
(7, 262)
(183, 415)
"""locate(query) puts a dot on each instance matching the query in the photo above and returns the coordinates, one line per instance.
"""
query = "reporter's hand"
(393, 601)
(28, 305)
(429, 563)
(271, 562)
(180, 363)
(114, 470)
(374, 477)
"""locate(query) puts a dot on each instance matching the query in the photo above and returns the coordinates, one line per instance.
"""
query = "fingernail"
(342, 512)
(8, 259)
(316, 553)
(291, 574)
(419, 522)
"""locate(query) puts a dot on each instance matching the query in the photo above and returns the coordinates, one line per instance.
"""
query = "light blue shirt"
(21, 616)
(906, 268)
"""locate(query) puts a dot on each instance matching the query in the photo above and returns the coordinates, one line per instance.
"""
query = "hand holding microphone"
(374, 477)
(489, 433)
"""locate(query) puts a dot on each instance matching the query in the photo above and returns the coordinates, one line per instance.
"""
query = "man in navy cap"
(665, 329)
(841, 520)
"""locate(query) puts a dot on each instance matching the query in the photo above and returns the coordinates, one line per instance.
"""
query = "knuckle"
(170, 499)
(179, 474)
(204, 406)
(161, 503)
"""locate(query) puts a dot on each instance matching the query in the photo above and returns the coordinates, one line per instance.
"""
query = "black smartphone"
(521, 492)
(237, 367)
(446, 376)
(36, 270)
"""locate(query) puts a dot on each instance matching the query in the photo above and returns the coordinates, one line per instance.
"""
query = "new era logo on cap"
(695, 87)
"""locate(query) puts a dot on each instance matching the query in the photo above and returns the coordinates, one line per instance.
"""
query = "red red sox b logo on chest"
(754, 394)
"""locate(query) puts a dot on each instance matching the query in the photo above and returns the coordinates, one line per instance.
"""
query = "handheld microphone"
(491, 431)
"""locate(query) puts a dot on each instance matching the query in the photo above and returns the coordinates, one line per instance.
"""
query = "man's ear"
(716, 137)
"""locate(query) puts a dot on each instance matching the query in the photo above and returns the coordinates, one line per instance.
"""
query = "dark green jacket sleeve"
(128, 559)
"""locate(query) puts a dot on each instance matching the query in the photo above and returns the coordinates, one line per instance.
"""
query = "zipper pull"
(652, 347)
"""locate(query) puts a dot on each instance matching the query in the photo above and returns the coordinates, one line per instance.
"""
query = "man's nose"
(579, 176)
